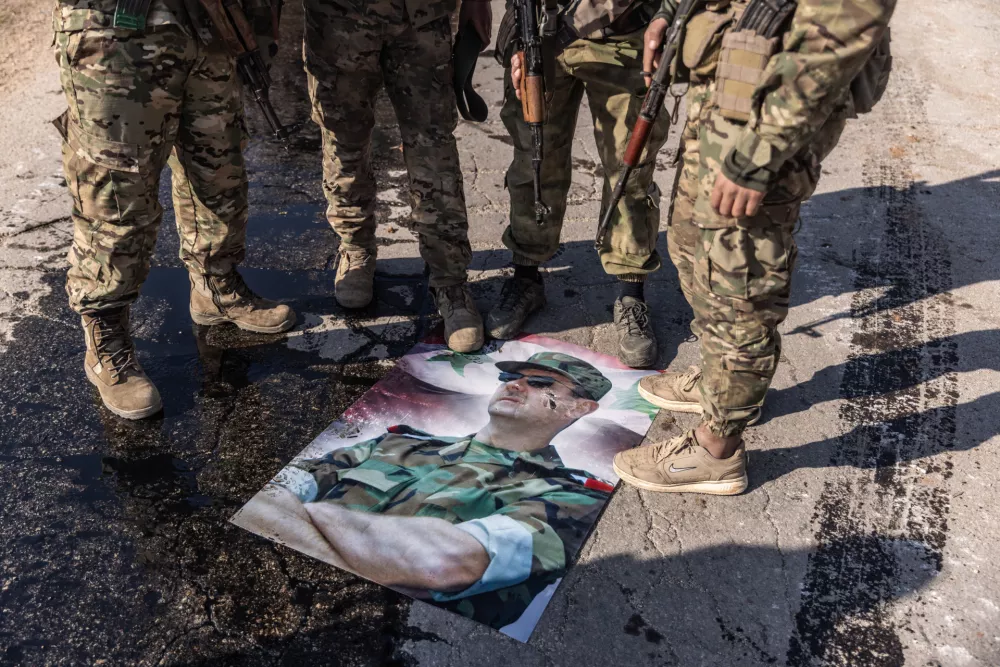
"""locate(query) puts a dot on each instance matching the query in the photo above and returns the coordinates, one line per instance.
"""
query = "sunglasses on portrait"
(536, 381)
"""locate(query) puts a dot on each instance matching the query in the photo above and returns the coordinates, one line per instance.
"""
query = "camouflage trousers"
(736, 273)
(609, 72)
(349, 55)
(138, 101)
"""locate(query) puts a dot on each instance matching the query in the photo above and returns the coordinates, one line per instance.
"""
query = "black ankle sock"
(530, 272)
(632, 289)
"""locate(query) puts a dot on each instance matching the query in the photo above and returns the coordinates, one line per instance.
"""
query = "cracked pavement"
(868, 535)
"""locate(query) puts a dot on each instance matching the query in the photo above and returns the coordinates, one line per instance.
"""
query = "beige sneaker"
(682, 465)
(353, 285)
(215, 300)
(677, 392)
(463, 325)
(111, 366)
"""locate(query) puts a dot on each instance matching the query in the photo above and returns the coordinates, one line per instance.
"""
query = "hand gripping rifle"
(532, 86)
(237, 34)
(651, 106)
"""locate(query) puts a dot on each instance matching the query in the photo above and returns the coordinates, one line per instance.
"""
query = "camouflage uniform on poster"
(736, 271)
(527, 510)
(350, 53)
(139, 100)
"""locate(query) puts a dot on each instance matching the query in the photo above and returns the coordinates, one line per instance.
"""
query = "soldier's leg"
(341, 51)
(210, 198)
(611, 72)
(417, 68)
(124, 92)
(531, 243)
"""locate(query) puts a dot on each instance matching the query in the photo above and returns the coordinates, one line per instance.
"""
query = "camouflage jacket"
(827, 43)
(75, 15)
(495, 495)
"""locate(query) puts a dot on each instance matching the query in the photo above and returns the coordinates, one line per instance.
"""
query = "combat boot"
(220, 299)
(678, 392)
(112, 367)
(519, 298)
(636, 340)
(463, 325)
(353, 286)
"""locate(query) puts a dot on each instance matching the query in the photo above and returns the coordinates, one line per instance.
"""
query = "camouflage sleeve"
(260, 15)
(558, 521)
(666, 11)
(825, 48)
(310, 479)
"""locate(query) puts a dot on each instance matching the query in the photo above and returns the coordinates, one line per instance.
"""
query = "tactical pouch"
(869, 85)
(131, 14)
(742, 61)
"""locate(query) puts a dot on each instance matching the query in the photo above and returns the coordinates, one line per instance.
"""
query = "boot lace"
(513, 296)
(455, 298)
(675, 446)
(689, 378)
(635, 318)
(114, 348)
(357, 260)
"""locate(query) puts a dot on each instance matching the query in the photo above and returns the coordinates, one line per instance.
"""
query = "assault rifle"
(651, 106)
(237, 34)
(532, 87)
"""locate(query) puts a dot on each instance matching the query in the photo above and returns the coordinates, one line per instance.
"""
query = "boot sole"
(208, 320)
(682, 406)
(124, 414)
(354, 306)
(729, 487)
(641, 362)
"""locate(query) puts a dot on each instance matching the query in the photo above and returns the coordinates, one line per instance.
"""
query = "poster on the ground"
(468, 481)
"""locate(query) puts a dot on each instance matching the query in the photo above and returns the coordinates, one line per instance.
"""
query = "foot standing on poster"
(162, 91)
(763, 110)
(599, 52)
(351, 51)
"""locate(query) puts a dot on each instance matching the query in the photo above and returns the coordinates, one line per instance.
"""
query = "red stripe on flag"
(599, 485)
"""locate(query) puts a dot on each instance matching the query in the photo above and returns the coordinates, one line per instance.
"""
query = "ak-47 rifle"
(651, 107)
(237, 34)
(532, 86)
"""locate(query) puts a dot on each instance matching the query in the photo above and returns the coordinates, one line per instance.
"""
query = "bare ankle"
(721, 447)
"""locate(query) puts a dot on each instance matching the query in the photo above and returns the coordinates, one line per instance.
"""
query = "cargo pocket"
(743, 264)
(380, 479)
(107, 178)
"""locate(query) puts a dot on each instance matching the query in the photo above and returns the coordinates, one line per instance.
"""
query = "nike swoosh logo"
(673, 469)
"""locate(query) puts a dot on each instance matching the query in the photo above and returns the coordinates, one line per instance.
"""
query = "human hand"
(516, 62)
(480, 15)
(652, 47)
(732, 200)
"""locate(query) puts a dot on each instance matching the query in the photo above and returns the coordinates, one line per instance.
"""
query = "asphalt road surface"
(869, 533)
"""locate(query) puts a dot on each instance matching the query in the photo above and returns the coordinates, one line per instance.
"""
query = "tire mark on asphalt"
(901, 391)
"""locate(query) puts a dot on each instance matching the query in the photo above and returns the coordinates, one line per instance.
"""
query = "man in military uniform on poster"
(763, 111)
(159, 90)
(600, 54)
(352, 50)
(479, 524)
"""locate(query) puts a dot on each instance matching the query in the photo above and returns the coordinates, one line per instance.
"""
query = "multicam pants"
(736, 273)
(137, 100)
(610, 73)
(349, 55)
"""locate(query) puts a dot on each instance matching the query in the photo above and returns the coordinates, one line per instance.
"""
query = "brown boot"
(353, 285)
(682, 465)
(463, 325)
(219, 299)
(111, 366)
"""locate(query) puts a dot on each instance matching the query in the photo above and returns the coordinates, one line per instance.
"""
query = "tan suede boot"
(112, 367)
(353, 286)
(219, 299)
(463, 325)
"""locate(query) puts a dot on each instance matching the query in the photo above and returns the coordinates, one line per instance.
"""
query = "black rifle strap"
(465, 55)
(550, 45)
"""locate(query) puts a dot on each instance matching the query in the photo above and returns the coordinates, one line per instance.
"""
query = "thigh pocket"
(107, 178)
(745, 264)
